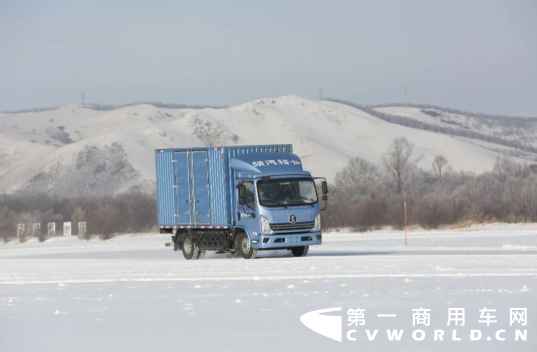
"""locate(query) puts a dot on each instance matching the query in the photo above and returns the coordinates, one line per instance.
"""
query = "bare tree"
(357, 172)
(399, 162)
(439, 164)
(7, 223)
(506, 165)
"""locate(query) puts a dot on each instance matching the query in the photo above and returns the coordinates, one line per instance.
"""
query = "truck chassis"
(195, 243)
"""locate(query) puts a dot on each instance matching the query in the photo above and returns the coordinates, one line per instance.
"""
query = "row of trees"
(366, 196)
(155, 104)
(124, 213)
(104, 107)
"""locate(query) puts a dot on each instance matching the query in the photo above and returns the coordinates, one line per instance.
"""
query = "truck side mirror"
(324, 187)
(325, 197)
(242, 193)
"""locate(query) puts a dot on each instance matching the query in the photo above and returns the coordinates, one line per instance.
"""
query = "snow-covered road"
(133, 294)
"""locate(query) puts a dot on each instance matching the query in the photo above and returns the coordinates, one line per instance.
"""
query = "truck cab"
(277, 204)
(239, 199)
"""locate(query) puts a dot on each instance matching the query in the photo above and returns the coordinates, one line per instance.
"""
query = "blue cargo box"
(194, 184)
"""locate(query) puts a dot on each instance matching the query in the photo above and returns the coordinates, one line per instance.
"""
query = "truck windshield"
(285, 192)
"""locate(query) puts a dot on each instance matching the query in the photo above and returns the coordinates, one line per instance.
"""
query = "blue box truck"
(238, 199)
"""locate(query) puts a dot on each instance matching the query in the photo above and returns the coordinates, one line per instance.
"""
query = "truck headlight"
(265, 226)
(317, 226)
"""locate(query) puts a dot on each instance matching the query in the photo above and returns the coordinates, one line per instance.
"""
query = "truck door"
(182, 189)
(200, 185)
(246, 213)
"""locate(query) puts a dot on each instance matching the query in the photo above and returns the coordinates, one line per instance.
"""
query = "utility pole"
(320, 93)
(83, 96)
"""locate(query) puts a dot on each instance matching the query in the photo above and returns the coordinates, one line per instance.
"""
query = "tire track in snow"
(258, 278)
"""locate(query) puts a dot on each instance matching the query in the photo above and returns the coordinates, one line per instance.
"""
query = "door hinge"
(176, 215)
(206, 160)
(174, 161)
(175, 186)
(207, 185)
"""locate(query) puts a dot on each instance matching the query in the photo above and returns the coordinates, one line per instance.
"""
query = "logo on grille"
(292, 219)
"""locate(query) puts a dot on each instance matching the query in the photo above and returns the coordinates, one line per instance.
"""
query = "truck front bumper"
(287, 240)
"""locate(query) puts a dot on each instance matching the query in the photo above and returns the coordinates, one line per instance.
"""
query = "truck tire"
(300, 251)
(190, 248)
(244, 249)
(201, 254)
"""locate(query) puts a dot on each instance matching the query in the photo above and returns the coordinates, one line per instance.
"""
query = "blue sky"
(476, 55)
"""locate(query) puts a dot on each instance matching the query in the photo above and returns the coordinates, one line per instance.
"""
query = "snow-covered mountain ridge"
(76, 150)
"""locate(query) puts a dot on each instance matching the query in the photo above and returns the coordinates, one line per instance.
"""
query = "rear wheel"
(190, 248)
(244, 248)
(300, 251)
(201, 254)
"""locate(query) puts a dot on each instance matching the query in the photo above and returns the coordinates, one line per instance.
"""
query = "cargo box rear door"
(182, 188)
(200, 181)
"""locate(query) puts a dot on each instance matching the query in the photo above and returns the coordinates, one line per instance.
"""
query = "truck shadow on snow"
(286, 254)
(346, 253)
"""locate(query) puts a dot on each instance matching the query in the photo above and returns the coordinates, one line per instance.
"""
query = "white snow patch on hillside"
(484, 126)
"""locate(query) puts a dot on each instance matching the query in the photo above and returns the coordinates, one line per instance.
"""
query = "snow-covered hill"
(76, 150)
(512, 130)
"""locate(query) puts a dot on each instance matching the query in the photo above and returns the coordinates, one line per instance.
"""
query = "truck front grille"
(290, 227)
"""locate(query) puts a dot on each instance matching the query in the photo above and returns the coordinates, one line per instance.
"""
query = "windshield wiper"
(275, 201)
(301, 202)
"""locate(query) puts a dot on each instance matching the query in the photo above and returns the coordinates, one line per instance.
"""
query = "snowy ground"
(133, 294)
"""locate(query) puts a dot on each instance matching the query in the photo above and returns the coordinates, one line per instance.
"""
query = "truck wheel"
(244, 249)
(300, 251)
(201, 254)
(190, 248)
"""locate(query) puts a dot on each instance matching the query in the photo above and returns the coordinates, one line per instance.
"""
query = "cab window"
(250, 198)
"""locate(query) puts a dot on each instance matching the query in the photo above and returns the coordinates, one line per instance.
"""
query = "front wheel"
(244, 248)
(300, 251)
